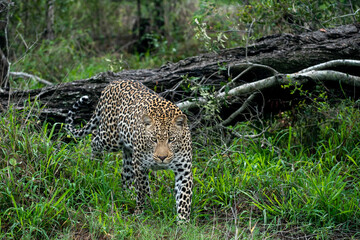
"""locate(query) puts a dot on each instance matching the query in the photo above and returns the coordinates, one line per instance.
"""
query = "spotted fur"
(152, 132)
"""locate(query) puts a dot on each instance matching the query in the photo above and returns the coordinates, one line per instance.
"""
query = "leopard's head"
(165, 136)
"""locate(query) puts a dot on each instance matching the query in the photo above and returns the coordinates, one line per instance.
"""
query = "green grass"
(50, 188)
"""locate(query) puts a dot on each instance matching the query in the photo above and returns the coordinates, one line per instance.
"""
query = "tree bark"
(285, 54)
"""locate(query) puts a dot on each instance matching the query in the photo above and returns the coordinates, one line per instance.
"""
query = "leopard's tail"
(88, 128)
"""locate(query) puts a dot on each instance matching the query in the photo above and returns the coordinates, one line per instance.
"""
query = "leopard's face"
(164, 136)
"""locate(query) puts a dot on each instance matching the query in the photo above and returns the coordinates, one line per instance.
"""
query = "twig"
(236, 134)
(346, 15)
(127, 45)
(227, 31)
(352, 9)
(249, 64)
(27, 75)
(247, 40)
(23, 40)
(172, 90)
(235, 214)
(240, 110)
(30, 47)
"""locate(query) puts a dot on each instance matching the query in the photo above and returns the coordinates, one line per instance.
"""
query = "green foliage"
(52, 189)
(89, 32)
(290, 182)
(253, 19)
(210, 44)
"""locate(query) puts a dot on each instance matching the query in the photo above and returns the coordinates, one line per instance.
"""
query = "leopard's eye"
(153, 139)
(171, 139)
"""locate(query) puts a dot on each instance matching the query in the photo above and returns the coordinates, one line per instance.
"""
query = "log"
(285, 53)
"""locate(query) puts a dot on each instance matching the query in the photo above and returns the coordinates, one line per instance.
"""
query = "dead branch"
(240, 110)
(299, 78)
(28, 75)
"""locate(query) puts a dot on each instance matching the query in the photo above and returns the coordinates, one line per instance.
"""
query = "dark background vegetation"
(88, 36)
(299, 179)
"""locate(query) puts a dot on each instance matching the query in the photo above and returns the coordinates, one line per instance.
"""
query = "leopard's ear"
(180, 120)
(147, 120)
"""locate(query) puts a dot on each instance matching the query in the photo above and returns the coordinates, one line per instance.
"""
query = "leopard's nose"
(162, 158)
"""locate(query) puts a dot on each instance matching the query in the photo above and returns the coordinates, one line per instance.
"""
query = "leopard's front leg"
(142, 186)
(183, 192)
(127, 175)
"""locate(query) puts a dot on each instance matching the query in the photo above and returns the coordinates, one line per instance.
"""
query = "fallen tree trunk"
(273, 57)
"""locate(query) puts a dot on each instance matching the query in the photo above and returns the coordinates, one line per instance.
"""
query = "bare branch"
(346, 15)
(252, 65)
(333, 63)
(296, 78)
(27, 75)
(247, 40)
(249, 67)
(240, 110)
(252, 87)
(238, 135)
(28, 48)
(330, 75)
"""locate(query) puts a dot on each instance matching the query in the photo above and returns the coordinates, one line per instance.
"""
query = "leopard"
(152, 133)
